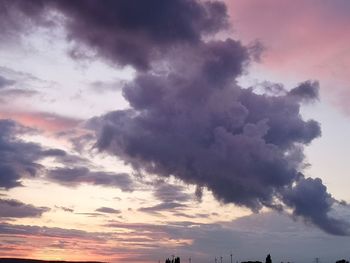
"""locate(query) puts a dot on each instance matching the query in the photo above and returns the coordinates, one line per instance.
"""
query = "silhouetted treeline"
(342, 261)
(174, 260)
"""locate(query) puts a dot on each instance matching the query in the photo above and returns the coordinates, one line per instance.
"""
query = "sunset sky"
(131, 130)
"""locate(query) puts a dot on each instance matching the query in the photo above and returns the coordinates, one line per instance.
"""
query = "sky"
(131, 131)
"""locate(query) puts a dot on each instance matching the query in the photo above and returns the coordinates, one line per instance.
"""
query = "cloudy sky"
(136, 130)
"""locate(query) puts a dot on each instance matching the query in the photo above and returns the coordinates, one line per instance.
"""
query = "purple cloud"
(108, 210)
(78, 175)
(18, 158)
(10, 208)
(126, 32)
(194, 122)
(4, 82)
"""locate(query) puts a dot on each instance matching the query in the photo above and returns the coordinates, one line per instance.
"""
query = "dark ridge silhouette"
(24, 260)
(342, 261)
(251, 262)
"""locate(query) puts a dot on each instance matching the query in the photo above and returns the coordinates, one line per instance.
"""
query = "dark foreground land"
(23, 260)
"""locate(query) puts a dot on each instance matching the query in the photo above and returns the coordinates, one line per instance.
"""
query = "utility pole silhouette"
(231, 257)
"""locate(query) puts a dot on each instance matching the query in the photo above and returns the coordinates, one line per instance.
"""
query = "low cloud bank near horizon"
(193, 239)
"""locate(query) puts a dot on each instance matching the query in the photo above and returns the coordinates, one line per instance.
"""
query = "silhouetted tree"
(268, 259)
(174, 260)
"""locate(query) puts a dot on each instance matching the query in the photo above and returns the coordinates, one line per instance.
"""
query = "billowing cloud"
(310, 199)
(16, 209)
(126, 32)
(193, 121)
(77, 175)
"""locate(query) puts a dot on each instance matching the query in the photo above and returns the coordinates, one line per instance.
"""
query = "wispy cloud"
(108, 210)
(74, 176)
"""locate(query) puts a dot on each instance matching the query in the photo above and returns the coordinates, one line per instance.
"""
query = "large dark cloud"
(128, 32)
(193, 121)
(16, 209)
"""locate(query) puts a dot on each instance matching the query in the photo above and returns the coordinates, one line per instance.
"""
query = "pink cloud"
(46, 122)
(303, 39)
